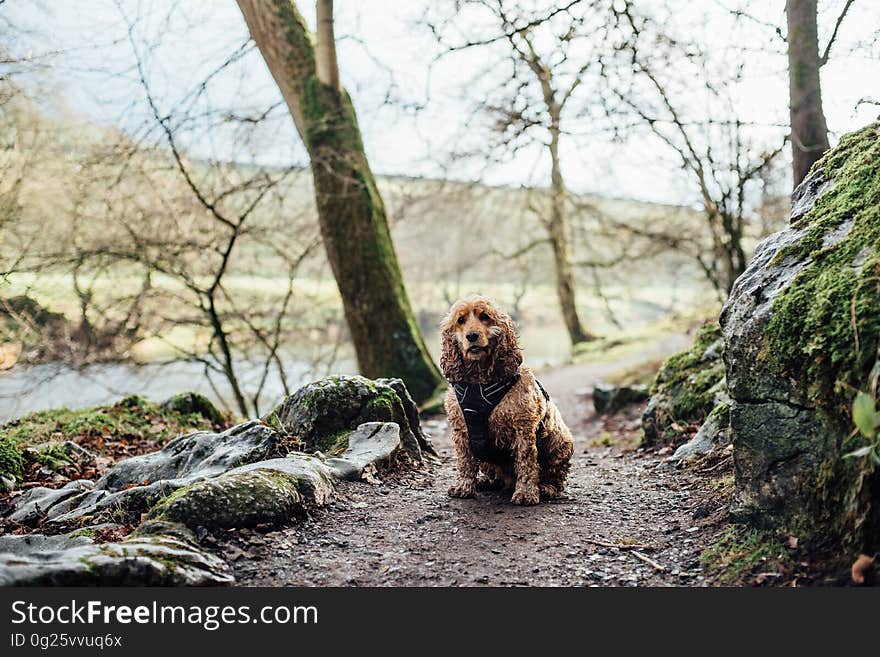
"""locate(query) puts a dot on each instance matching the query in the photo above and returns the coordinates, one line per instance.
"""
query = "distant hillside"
(451, 237)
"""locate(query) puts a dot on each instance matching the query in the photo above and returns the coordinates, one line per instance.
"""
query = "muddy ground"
(631, 519)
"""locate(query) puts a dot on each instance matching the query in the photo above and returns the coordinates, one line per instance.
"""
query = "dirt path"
(406, 531)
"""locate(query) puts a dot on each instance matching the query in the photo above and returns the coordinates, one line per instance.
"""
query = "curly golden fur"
(479, 345)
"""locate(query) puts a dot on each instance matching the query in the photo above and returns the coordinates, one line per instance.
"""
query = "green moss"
(696, 395)
(719, 413)
(825, 325)
(90, 567)
(272, 420)
(302, 54)
(156, 512)
(334, 444)
(192, 403)
(133, 417)
(11, 461)
(86, 532)
(331, 123)
(679, 367)
(685, 389)
(53, 456)
(385, 403)
(738, 552)
(234, 500)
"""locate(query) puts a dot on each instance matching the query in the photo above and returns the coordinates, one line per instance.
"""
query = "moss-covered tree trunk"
(809, 133)
(351, 213)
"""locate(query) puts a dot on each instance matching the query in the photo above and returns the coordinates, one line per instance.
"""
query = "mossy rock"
(609, 398)
(713, 433)
(234, 500)
(192, 403)
(273, 491)
(134, 485)
(801, 331)
(687, 387)
(322, 414)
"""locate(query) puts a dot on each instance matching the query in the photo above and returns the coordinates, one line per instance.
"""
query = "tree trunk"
(354, 227)
(809, 133)
(733, 255)
(556, 228)
(325, 46)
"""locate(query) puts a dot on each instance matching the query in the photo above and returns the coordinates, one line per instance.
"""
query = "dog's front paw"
(526, 497)
(462, 489)
(551, 492)
(490, 484)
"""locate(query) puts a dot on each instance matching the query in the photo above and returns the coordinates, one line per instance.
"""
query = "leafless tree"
(351, 211)
(650, 77)
(806, 57)
(162, 247)
(545, 56)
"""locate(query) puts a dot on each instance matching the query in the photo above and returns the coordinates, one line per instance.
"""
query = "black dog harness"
(477, 401)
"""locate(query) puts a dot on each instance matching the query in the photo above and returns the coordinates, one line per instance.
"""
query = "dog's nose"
(472, 337)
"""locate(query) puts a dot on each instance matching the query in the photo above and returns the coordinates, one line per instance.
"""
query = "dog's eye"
(484, 317)
(461, 320)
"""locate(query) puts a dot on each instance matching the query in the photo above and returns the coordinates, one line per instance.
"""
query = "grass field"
(540, 324)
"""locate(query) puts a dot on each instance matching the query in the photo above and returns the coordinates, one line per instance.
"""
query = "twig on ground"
(656, 566)
(724, 461)
(621, 546)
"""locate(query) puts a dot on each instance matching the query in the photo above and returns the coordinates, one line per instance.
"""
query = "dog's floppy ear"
(507, 356)
(451, 361)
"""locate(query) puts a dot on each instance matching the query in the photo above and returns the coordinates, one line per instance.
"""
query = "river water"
(24, 389)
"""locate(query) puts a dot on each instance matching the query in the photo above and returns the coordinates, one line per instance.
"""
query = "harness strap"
(540, 430)
(477, 401)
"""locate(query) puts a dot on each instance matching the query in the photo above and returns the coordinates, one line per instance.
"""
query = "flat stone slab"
(144, 559)
(26, 544)
(372, 443)
(136, 484)
(36, 503)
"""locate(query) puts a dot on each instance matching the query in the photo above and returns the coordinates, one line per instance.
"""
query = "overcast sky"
(383, 50)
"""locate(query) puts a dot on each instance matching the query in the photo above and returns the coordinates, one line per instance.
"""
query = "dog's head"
(479, 342)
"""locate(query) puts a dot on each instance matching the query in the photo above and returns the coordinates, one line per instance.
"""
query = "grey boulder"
(322, 414)
(37, 503)
(714, 433)
(266, 492)
(163, 556)
(372, 443)
(801, 328)
(136, 484)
